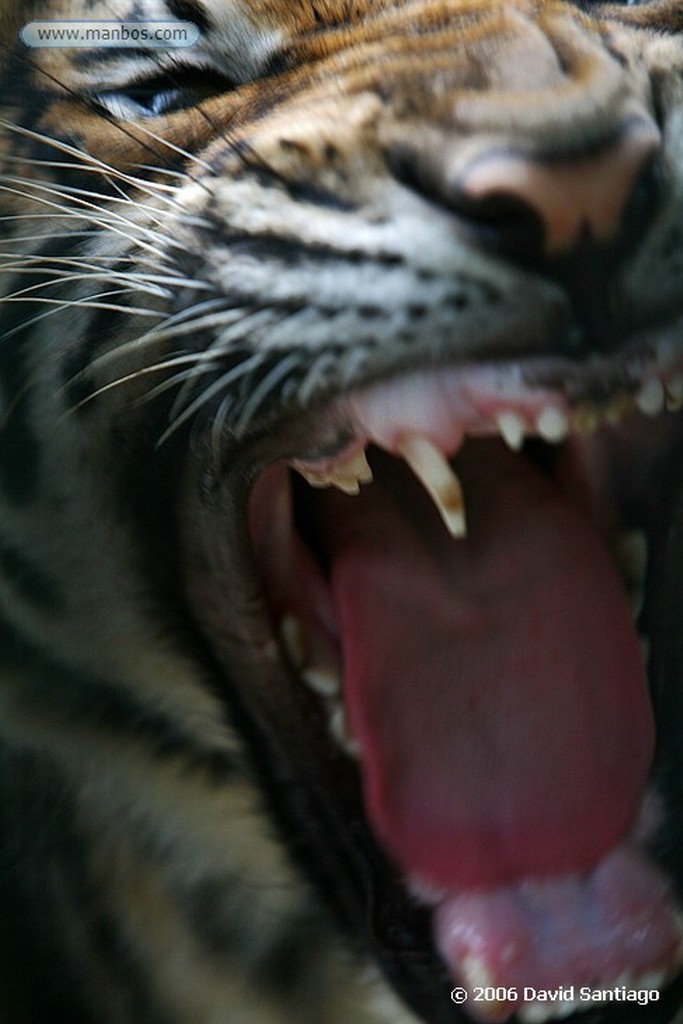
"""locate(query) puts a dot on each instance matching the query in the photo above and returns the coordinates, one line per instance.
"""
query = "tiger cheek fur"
(341, 376)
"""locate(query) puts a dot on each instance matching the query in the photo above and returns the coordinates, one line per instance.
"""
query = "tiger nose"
(533, 208)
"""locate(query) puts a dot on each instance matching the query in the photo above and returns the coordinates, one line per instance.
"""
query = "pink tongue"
(494, 684)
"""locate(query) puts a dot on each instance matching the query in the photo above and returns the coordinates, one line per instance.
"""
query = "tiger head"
(357, 327)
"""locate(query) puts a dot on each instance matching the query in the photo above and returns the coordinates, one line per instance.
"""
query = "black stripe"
(20, 446)
(221, 919)
(20, 453)
(257, 170)
(99, 57)
(104, 936)
(47, 887)
(29, 581)
(38, 853)
(265, 245)
(69, 693)
(79, 382)
(185, 10)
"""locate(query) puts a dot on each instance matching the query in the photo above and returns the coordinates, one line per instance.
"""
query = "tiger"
(298, 721)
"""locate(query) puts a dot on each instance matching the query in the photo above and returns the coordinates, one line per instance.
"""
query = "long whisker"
(188, 321)
(230, 376)
(192, 157)
(144, 281)
(183, 359)
(64, 191)
(269, 383)
(108, 222)
(85, 164)
(88, 304)
(54, 310)
(223, 318)
(143, 371)
(85, 161)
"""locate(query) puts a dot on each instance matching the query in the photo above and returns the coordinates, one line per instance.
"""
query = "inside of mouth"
(479, 672)
(493, 686)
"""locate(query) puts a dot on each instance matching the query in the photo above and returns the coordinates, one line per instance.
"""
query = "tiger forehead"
(293, 18)
(241, 37)
(290, 17)
(229, 22)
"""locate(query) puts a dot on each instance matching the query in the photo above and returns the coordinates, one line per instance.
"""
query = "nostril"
(500, 221)
(503, 223)
(534, 208)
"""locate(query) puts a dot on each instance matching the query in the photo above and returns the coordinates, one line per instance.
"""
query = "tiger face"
(341, 547)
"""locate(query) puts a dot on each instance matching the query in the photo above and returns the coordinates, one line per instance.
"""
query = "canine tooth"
(585, 420)
(650, 398)
(618, 409)
(339, 728)
(630, 555)
(323, 680)
(630, 552)
(552, 424)
(293, 637)
(674, 393)
(347, 475)
(512, 429)
(435, 474)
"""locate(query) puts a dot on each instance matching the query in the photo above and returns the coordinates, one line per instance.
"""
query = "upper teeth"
(630, 552)
(512, 429)
(347, 474)
(552, 424)
(432, 469)
(650, 399)
(309, 652)
(428, 458)
(674, 393)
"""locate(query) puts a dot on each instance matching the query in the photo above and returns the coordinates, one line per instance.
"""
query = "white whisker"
(271, 380)
(155, 335)
(229, 377)
(87, 162)
(52, 311)
(107, 218)
(153, 284)
(86, 303)
(192, 157)
(143, 371)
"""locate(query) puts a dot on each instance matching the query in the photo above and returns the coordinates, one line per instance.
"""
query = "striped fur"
(171, 280)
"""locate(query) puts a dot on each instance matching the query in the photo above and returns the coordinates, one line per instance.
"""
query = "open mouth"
(461, 566)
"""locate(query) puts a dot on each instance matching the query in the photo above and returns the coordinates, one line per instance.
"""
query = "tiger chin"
(341, 540)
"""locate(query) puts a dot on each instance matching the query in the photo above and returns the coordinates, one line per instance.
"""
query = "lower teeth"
(311, 659)
(339, 730)
(630, 553)
(322, 680)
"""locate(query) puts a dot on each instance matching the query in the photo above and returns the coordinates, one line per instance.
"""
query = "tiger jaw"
(330, 449)
(515, 418)
(549, 418)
